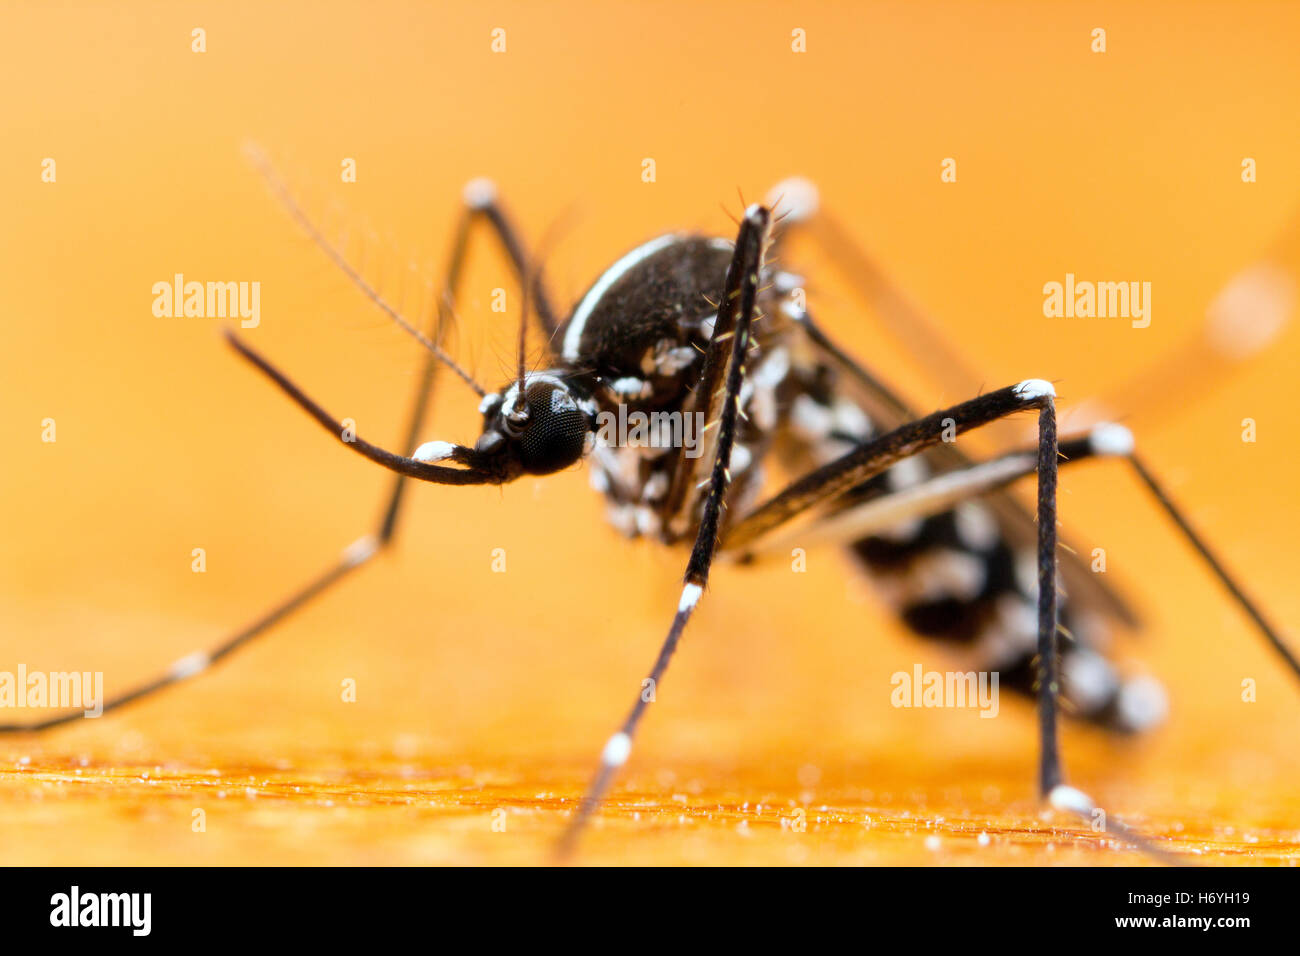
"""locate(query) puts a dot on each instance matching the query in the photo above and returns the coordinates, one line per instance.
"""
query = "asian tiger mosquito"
(689, 324)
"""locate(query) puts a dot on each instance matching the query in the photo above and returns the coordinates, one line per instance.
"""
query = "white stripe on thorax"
(573, 334)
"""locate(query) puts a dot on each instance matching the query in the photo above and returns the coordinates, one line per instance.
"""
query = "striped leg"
(740, 291)
(1126, 705)
(875, 456)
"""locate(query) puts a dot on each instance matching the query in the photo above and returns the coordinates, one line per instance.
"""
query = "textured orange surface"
(479, 691)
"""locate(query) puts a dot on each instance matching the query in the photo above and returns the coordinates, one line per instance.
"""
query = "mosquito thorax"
(545, 427)
(637, 337)
(636, 342)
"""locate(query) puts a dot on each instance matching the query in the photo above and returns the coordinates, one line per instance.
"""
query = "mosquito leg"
(873, 457)
(883, 510)
(1110, 440)
(1070, 800)
(480, 204)
(191, 665)
(707, 398)
(887, 408)
(742, 287)
(1050, 775)
(1214, 564)
(356, 554)
(942, 492)
(1246, 315)
(869, 459)
(898, 315)
(479, 201)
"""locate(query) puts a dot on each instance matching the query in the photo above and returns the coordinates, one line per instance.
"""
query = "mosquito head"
(545, 425)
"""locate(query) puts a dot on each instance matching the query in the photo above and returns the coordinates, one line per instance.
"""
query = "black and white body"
(636, 343)
(764, 435)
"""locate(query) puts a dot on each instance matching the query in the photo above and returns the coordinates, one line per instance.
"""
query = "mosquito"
(689, 324)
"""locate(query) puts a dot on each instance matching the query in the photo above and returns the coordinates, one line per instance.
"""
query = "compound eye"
(556, 430)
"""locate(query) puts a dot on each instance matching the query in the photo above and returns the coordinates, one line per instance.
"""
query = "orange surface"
(480, 691)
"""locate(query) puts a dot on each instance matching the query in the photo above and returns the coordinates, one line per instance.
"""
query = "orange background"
(480, 690)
